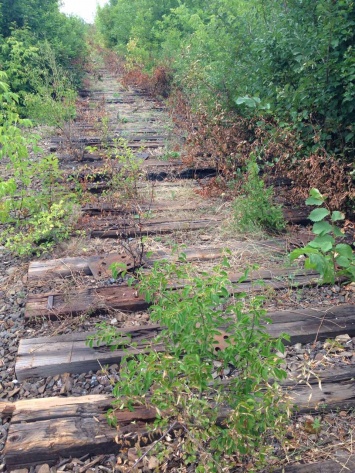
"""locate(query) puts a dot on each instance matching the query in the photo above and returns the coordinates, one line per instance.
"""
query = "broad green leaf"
(307, 250)
(345, 250)
(318, 214)
(336, 215)
(313, 201)
(343, 261)
(323, 242)
(317, 262)
(338, 232)
(321, 228)
(295, 254)
(248, 101)
(351, 271)
(316, 194)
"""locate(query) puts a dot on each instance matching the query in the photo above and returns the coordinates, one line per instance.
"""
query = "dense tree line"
(293, 60)
(39, 44)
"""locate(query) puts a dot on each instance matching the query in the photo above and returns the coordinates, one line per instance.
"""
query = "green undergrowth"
(327, 253)
(183, 382)
(272, 77)
(36, 211)
(254, 209)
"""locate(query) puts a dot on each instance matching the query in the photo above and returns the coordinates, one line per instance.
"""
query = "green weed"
(325, 253)
(254, 209)
(183, 383)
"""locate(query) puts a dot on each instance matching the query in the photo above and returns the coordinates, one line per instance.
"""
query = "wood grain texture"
(48, 356)
(343, 462)
(43, 270)
(100, 300)
(90, 300)
(127, 230)
(154, 206)
(43, 430)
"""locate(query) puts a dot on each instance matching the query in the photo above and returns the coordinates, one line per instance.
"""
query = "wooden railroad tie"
(48, 356)
(56, 305)
(44, 270)
(45, 430)
(126, 229)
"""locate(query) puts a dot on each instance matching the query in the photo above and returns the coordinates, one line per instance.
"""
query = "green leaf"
(345, 250)
(321, 228)
(336, 215)
(318, 214)
(316, 194)
(250, 102)
(307, 250)
(317, 262)
(323, 242)
(342, 261)
(296, 253)
(337, 232)
(313, 201)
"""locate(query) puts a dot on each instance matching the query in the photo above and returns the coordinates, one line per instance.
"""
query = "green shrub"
(254, 209)
(34, 207)
(183, 382)
(331, 258)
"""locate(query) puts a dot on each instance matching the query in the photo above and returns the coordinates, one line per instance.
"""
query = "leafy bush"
(33, 205)
(43, 230)
(294, 60)
(254, 208)
(325, 253)
(53, 104)
(183, 382)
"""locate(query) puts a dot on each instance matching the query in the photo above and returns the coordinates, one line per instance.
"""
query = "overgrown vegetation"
(41, 63)
(326, 253)
(221, 424)
(35, 208)
(283, 71)
(254, 209)
(28, 29)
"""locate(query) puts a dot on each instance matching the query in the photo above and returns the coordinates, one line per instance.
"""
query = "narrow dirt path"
(54, 388)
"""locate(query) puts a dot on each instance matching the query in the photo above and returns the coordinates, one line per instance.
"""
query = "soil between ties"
(173, 214)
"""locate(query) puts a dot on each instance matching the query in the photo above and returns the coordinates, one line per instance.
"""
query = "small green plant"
(125, 172)
(170, 155)
(118, 269)
(108, 335)
(325, 253)
(42, 231)
(222, 423)
(254, 209)
(105, 131)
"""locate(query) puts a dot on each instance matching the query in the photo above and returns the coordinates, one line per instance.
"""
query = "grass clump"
(254, 209)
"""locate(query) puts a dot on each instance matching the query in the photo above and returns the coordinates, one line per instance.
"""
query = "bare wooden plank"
(296, 216)
(121, 230)
(331, 396)
(96, 266)
(6, 409)
(47, 356)
(154, 206)
(45, 441)
(101, 300)
(44, 430)
(304, 325)
(65, 267)
(91, 300)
